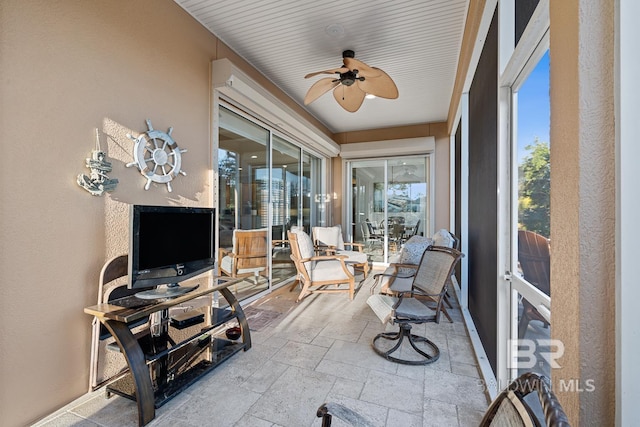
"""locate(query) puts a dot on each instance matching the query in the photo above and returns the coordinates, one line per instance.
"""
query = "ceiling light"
(254, 157)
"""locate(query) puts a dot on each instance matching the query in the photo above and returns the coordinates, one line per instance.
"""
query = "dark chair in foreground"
(429, 281)
(330, 409)
(534, 258)
(511, 409)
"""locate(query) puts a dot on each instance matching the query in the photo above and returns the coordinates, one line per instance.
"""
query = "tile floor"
(306, 354)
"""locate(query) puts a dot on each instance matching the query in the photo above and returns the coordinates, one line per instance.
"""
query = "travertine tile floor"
(315, 351)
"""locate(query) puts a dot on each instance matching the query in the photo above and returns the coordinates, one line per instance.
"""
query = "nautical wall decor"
(157, 156)
(97, 182)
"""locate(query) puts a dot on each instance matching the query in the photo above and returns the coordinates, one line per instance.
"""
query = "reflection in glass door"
(531, 283)
(390, 203)
(243, 197)
(285, 200)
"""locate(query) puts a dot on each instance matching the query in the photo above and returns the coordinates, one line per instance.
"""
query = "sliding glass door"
(285, 196)
(266, 183)
(390, 203)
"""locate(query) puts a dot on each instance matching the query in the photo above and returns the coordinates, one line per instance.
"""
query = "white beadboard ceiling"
(416, 42)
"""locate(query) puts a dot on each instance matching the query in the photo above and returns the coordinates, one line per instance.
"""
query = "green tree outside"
(534, 186)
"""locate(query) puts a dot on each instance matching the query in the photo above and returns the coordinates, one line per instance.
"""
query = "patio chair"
(319, 273)
(330, 238)
(534, 259)
(510, 408)
(248, 258)
(407, 308)
(398, 277)
(371, 235)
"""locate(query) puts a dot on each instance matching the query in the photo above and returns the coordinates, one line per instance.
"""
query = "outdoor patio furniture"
(408, 308)
(319, 273)
(510, 408)
(534, 259)
(330, 238)
(248, 258)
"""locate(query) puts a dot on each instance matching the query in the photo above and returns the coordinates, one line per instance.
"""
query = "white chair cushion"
(227, 266)
(443, 238)
(411, 252)
(305, 245)
(354, 256)
(329, 270)
(329, 236)
(382, 306)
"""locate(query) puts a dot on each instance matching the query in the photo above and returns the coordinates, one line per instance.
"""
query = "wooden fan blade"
(349, 97)
(363, 69)
(319, 88)
(382, 86)
(334, 71)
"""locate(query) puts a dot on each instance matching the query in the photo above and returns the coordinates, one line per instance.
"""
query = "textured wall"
(66, 70)
(582, 207)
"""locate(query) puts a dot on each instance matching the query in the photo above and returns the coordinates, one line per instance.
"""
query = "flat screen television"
(169, 244)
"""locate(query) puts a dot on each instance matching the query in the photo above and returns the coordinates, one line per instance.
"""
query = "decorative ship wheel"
(157, 156)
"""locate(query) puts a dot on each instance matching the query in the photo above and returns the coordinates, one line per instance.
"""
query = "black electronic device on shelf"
(169, 244)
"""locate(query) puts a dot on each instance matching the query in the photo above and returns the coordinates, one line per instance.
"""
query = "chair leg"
(443, 309)
(405, 331)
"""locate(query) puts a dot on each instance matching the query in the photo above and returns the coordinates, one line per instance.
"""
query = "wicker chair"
(511, 409)
(508, 409)
(407, 308)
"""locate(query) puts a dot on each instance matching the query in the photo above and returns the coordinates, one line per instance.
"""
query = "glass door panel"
(243, 194)
(313, 200)
(368, 216)
(390, 203)
(531, 281)
(285, 200)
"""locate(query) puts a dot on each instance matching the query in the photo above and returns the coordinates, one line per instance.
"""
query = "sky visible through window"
(533, 107)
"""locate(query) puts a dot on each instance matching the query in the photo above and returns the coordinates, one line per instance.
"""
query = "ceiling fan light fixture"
(355, 80)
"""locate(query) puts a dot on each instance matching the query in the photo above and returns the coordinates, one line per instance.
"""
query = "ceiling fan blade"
(363, 69)
(382, 86)
(349, 97)
(319, 88)
(334, 71)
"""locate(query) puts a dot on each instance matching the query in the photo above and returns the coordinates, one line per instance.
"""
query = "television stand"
(158, 372)
(165, 291)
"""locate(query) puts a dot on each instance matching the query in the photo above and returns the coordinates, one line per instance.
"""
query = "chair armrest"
(248, 256)
(358, 246)
(326, 258)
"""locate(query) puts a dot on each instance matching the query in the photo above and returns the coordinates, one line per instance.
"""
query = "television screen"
(169, 244)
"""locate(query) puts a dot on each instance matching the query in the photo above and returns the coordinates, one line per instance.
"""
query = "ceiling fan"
(354, 80)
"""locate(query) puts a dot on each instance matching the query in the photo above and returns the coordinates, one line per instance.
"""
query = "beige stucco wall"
(583, 207)
(67, 68)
